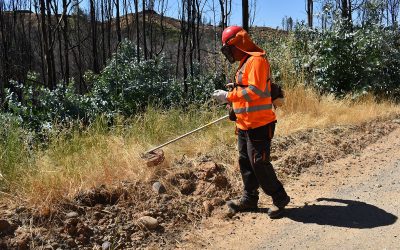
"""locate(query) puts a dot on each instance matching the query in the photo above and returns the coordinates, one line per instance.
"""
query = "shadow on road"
(355, 214)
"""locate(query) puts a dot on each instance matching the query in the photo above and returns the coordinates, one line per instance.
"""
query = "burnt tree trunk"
(222, 7)
(3, 58)
(245, 14)
(93, 25)
(198, 22)
(137, 30)
(66, 42)
(118, 21)
(45, 42)
(345, 9)
(109, 26)
(191, 29)
(144, 29)
(151, 26)
(185, 37)
(310, 13)
(59, 38)
(51, 45)
(126, 19)
(163, 34)
(103, 37)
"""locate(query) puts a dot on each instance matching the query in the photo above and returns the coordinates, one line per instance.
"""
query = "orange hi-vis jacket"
(252, 104)
(251, 98)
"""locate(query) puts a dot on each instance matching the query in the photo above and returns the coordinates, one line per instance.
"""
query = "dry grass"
(62, 171)
(306, 109)
(100, 156)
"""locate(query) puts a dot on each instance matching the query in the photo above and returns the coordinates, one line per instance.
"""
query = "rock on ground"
(148, 222)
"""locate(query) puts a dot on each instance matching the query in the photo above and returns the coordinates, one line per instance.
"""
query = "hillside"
(162, 37)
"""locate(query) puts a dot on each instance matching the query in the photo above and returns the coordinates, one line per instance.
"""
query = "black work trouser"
(255, 164)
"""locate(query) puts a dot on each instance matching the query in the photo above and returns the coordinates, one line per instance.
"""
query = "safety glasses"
(227, 51)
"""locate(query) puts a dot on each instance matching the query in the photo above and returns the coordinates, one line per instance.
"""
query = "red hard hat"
(229, 33)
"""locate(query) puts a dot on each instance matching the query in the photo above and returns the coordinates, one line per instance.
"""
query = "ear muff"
(227, 52)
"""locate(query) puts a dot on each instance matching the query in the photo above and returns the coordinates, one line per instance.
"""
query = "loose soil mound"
(314, 147)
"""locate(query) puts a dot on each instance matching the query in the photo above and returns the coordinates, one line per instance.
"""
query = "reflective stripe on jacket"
(251, 99)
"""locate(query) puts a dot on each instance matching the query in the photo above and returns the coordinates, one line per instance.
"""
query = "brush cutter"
(155, 156)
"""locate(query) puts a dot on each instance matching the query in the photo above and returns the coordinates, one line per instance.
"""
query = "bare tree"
(144, 29)
(213, 9)
(310, 12)
(163, 8)
(245, 15)
(252, 12)
(226, 9)
(118, 20)
(66, 41)
(77, 51)
(345, 7)
(45, 42)
(103, 31)
(287, 23)
(110, 10)
(393, 12)
(93, 25)
(184, 40)
(346, 10)
(137, 29)
(3, 56)
(54, 6)
(150, 17)
(51, 44)
(125, 5)
(200, 8)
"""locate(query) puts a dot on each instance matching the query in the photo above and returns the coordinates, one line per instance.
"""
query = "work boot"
(241, 205)
(277, 209)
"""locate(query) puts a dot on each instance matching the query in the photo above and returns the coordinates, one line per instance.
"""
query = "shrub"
(123, 88)
(39, 107)
(126, 86)
(342, 60)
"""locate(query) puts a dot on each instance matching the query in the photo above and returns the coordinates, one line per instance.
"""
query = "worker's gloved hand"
(220, 96)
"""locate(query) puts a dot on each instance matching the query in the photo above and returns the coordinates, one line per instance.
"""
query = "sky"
(268, 12)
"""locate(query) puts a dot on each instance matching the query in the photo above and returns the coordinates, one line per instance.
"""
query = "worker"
(255, 121)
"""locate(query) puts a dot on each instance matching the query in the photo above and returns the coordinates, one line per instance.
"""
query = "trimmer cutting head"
(154, 158)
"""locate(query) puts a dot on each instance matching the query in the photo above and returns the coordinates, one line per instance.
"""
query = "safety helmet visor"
(227, 52)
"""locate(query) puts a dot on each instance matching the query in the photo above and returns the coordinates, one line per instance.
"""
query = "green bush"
(39, 107)
(126, 86)
(357, 61)
(342, 60)
(123, 88)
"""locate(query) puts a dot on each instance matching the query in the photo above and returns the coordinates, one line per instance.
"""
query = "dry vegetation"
(100, 156)
(306, 109)
(98, 174)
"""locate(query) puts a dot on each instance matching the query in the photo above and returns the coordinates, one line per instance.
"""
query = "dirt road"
(352, 203)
